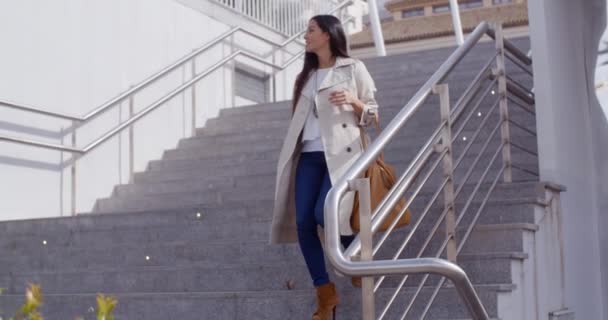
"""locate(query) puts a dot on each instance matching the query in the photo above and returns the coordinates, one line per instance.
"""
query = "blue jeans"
(312, 185)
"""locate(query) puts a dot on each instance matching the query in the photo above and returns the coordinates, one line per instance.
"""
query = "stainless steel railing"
(129, 95)
(362, 257)
(287, 17)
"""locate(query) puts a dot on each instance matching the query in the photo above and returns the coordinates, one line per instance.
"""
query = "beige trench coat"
(341, 138)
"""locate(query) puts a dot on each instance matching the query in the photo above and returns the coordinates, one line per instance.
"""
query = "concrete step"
(223, 178)
(277, 122)
(204, 230)
(203, 181)
(406, 74)
(84, 222)
(484, 239)
(398, 86)
(232, 131)
(408, 139)
(189, 186)
(429, 65)
(184, 254)
(515, 206)
(390, 101)
(388, 91)
(279, 130)
(169, 254)
(264, 175)
(224, 151)
(213, 277)
(215, 127)
(410, 131)
(400, 89)
(404, 144)
(179, 181)
(159, 165)
(477, 265)
(194, 159)
(416, 138)
(252, 305)
(406, 86)
(214, 142)
(523, 43)
(429, 61)
(264, 189)
(254, 168)
(196, 232)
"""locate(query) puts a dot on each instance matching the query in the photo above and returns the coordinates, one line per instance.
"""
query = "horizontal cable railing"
(465, 131)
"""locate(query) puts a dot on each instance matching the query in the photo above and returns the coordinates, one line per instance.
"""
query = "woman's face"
(315, 38)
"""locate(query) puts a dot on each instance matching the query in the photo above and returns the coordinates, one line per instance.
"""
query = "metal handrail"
(253, 11)
(463, 211)
(399, 121)
(511, 48)
(342, 259)
(145, 83)
(473, 223)
(438, 223)
(31, 109)
(152, 79)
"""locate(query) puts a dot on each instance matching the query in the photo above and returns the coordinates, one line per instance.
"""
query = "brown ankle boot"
(327, 300)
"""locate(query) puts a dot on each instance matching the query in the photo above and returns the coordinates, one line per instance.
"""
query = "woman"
(333, 98)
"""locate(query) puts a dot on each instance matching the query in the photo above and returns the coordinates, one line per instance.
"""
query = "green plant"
(33, 300)
(105, 307)
(1, 292)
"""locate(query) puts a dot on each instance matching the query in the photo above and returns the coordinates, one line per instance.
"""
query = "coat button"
(344, 125)
(348, 149)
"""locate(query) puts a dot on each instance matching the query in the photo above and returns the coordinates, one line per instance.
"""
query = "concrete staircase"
(188, 238)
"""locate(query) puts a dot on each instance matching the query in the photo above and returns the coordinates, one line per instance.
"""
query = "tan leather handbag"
(381, 179)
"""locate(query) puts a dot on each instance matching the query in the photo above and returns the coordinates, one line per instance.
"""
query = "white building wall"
(71, 56)
(573, 135)
(602, 185)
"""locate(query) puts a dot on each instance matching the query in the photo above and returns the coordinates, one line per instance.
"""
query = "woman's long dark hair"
(337, 44)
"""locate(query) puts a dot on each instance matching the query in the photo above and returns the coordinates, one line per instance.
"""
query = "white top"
(311, 136)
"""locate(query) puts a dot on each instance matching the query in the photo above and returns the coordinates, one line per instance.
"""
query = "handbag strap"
(378, 131)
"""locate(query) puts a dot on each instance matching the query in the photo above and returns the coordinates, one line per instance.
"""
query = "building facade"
(426, 24)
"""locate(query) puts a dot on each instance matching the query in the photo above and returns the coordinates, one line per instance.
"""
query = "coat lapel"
(334, 76)
(338, 73)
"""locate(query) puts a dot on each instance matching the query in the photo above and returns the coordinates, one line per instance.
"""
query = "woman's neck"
(326, 60)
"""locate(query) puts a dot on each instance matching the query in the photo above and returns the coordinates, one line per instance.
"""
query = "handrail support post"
(131, 139)
(448, 170)
(193, 96)
(365, 234)
(73, 170)
(501, 73)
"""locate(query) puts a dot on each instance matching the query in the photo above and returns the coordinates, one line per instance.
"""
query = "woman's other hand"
(341, 97)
